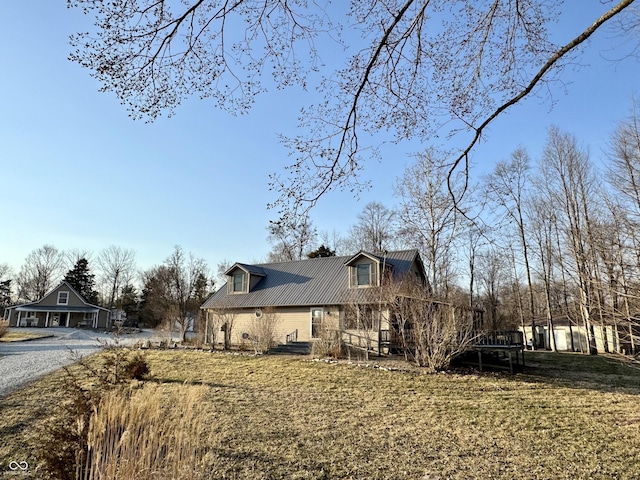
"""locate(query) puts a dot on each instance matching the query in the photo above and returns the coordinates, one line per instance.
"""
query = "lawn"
(20, 336)
(566, 417)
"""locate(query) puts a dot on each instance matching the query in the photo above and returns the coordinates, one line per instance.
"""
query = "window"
(316, 322)
(63, 298)
(238, 282)
(363, 274)
(88, 316)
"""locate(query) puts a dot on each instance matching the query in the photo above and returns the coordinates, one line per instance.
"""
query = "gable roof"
(252, 269)
(310, 282)
(38, 305)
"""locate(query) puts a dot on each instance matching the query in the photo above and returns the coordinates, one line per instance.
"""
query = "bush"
(329, 344)
(63, 442)
(136, 367)
(262, 332)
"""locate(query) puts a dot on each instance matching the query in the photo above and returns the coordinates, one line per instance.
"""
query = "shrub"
(63, 443)
(328, 344)
(262, 332)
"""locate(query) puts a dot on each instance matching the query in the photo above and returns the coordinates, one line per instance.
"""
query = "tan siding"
(289, 320)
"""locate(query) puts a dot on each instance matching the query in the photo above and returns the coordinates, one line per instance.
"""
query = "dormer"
(241, 278)
(364, 270)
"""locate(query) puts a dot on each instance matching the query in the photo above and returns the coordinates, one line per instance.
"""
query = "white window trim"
(311, 320)
(66, 302)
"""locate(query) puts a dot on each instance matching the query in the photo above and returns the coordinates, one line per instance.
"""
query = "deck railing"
(293, 336)
(507, 338)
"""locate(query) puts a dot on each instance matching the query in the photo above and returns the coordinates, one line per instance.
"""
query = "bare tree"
(116, 266)
(221, 318)
(263, 331)
(189, 287)
(375, 231)
(156, 307)
(428, 216)
(291, 239)
(334, 241)
(506, 188)
(570, 185)
(41, 270)
(491, 275)
(624, 163)
(423, 67)
(542, 217)
(433, 333)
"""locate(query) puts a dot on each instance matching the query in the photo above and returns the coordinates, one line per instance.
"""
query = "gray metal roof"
(252, 269)
(310, 282)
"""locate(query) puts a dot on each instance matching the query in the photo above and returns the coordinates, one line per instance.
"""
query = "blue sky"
(77, 173)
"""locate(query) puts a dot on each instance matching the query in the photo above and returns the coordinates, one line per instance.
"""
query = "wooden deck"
(501, 345)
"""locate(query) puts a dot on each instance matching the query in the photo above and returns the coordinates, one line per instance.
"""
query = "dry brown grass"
(20, 335)
(4, 327)
(152, 432)
(279, 417)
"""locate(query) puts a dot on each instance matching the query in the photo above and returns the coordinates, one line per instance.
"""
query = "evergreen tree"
(322, 251)
(129, 303)
(5, 293)
(82, 280)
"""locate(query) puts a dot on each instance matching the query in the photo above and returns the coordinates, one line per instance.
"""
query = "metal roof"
(309, 282)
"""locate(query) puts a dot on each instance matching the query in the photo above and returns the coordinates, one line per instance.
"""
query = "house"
(63, 306)
(307, 295)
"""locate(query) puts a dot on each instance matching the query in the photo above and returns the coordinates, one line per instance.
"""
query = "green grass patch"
(566, 417)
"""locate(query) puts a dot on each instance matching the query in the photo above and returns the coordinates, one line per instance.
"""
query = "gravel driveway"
(24, 362)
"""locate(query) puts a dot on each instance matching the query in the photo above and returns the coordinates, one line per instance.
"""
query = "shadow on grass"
(187, 382)
(605, 373)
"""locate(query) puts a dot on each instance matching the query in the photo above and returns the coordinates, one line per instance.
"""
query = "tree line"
(533, 242)
(170, 293)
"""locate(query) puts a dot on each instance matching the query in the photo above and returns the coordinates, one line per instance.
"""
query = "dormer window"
(239, 282)
(63, 298)
(363, 274)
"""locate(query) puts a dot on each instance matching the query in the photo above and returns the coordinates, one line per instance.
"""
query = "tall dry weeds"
(4, 327)
(147, 434)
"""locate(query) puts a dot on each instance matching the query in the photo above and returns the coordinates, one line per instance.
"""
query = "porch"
(33, 316)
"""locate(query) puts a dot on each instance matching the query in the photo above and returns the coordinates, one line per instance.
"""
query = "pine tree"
(5, 293)
(82, 280)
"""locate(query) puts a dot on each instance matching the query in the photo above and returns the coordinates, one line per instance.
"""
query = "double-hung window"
(363, 274)
(63, 298)
(238, 282)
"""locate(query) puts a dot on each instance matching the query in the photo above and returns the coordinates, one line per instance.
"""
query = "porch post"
(46, 320)
(19, 317)
(67, 321)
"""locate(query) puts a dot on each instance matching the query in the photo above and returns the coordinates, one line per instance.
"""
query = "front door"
(316, 322)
